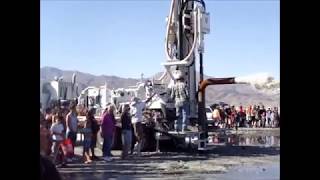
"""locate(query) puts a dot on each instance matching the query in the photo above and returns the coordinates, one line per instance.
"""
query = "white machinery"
(58, 90)
(97, 97)
(124, 95)
(100, 97)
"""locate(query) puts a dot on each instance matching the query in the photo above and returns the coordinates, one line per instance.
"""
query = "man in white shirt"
(136, 110)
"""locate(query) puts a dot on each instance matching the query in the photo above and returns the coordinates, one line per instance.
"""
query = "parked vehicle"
(209, 115)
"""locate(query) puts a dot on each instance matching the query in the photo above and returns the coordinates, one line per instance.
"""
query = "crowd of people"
(58, 133)
(59, 128)
(256, 116)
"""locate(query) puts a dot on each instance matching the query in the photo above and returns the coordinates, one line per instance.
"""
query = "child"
(87, 132)
(57, 134)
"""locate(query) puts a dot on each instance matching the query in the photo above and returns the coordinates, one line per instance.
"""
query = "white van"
(209, 115)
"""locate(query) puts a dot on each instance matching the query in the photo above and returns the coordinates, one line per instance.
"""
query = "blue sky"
(126, 38)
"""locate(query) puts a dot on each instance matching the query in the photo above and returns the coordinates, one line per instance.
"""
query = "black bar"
(201, 67)
(87, 103)
(180, 40)
(203, 124)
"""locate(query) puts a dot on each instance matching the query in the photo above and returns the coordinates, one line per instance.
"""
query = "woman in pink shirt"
(107, 131)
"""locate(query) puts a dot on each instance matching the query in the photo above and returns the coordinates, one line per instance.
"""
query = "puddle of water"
(246, 140)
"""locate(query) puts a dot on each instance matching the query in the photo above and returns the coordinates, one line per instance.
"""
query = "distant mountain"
(268, 94)
(232, 94)
(85, 79)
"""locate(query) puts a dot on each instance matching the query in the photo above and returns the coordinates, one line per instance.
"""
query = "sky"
(126, 38)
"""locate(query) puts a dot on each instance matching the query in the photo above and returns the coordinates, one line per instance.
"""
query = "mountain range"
(234, 94)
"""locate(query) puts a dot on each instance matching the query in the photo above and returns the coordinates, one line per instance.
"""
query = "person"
(48, 171)
(126, 131)
(278, 118)
(48, 117)
(260, 112)
(228, 117)
(72, 125)
(42, 117)
(216, 116)
(233, 116)
(254, 115)
(57, 136)
(240, 117)
(274, 117)
(180, 95)
(136, 111)
(258, 117)
(222, 116)
(107, 131)
(45, 142)
(263, 119)
(248, 116)
(95, 129)
(148, 88)
(87, 132)
(268, 117)
(237, 117)
(106, 111)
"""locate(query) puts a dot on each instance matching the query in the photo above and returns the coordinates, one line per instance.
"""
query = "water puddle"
(245, 140)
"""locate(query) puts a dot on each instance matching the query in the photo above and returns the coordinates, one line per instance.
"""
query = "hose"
(168, 27)
(185, 60)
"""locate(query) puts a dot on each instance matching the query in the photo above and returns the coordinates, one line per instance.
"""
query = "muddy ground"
(226, 162)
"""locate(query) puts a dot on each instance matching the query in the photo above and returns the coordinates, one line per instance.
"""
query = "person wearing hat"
(136, 111)
(180, 95)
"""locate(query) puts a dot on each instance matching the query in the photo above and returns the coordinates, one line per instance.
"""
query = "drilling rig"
(187, 24)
